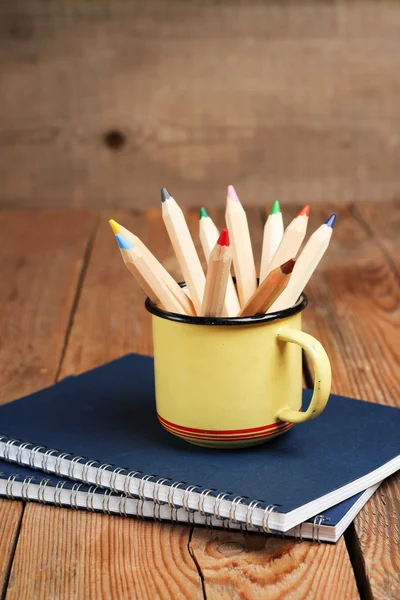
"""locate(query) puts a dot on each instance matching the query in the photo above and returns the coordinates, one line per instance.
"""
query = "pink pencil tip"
(232, 195)
(305, 211)
(223, 239)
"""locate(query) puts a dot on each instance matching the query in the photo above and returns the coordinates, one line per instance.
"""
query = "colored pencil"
(292, 240)
(243, 259)
(184, 248)
(175, 289)
(218, 273)
(149, 281)
(208, 236)
(269, 290)
(273, 234)
(306, 264)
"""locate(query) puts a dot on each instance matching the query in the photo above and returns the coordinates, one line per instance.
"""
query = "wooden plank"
(353, 311)
(300, 103)
(81, 555)
(72, 554)
(10, 519)
(234, 565)
(382, 221)
(41, 259)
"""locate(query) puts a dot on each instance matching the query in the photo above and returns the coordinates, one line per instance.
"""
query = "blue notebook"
(24, 483)
(104, 426)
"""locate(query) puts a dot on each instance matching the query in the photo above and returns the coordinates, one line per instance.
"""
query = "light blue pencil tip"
(123, 243)
(331, 221)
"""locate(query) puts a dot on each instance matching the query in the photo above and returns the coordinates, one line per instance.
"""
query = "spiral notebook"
(23, 483)
(105, 428)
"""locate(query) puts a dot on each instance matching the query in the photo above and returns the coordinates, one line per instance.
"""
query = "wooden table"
(68, 304)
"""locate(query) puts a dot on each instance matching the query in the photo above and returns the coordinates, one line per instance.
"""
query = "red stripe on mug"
(240, 434)
(219, 432)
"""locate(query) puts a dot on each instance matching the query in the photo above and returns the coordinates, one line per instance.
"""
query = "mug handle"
(322, 375)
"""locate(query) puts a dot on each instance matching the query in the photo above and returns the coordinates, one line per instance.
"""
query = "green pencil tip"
(276, 208)
(203, 213)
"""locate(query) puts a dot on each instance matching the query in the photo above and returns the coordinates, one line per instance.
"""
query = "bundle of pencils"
(284, 272)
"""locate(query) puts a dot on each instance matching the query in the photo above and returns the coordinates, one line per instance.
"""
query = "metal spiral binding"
(128, 480)
(20, 449)
(170, 501)
(100, 470)
(105, 503)
(9, 486)
(232, 511)
(41, 491)
(142, 483)
(45, 459)
(57, 493)
(249, 514)
(25, 488)
(185, 503)
(74, 493)
(10, 442)
(113, 477)
(157, 502)
(72, 465)
(32, 456)
(86, 466)
(317, 522)
(298, 533)
(122, 506)
(267, 513)
(57, 465)
(205, 514)
(217, 509)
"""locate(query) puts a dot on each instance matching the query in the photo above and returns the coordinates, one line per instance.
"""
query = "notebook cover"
(108, 414)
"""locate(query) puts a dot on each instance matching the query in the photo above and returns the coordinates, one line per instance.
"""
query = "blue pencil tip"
(123, 243)
(331, 221)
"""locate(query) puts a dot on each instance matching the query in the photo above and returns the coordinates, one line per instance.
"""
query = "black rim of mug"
(300, 305)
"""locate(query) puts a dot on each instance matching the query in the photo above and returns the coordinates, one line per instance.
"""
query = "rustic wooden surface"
(294, 100)
(92, 312)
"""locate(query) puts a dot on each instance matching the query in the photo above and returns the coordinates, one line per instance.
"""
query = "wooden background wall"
(102, 102)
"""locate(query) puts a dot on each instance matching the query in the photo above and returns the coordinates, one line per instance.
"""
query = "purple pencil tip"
(331, 221)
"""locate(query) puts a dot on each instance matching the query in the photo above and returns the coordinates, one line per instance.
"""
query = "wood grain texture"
(10, 519)
(41, 258)
(81, 555)
(70, 555)
(354, 312)
(293, 100)
(235, 566)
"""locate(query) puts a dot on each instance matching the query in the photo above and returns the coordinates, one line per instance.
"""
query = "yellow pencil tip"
(114, 226)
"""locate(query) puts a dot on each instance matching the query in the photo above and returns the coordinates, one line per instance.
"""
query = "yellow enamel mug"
(235, 382)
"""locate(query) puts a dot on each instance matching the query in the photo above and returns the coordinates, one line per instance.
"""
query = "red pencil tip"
(304, 211)
(223, 239)
(287, 267)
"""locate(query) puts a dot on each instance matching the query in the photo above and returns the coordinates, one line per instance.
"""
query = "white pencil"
(305, 265)
(184, 248)
(208, 236)
(218, 273)
(292, 240)
(176, 290)
(243, 259)
(148, 279)
(273, 234)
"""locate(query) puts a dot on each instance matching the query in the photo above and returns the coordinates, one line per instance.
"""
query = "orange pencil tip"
(287, 267)
(223, 239)
(304, 211)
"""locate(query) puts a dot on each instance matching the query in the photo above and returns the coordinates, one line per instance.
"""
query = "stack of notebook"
(97, 439)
